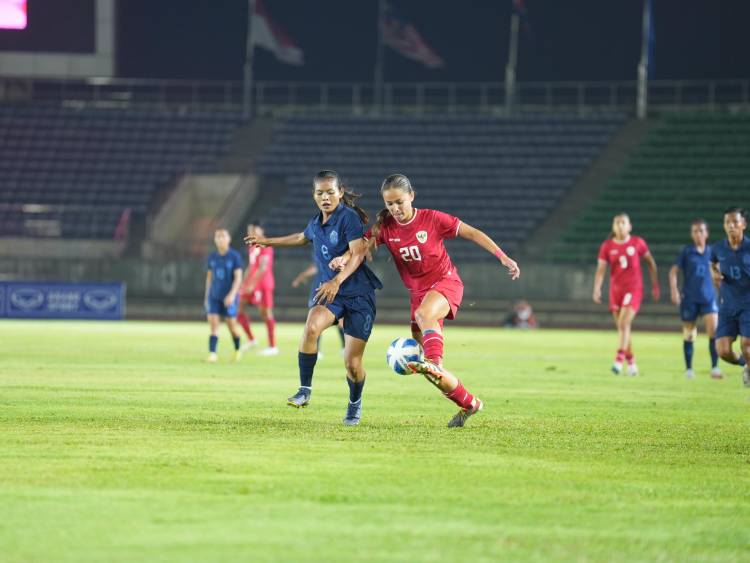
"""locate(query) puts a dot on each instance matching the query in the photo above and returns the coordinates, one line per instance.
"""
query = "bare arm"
(305, 275)
(236, 282)
(296, 239)
(601, 268)
(209, 277)
(478, 237)
(255, 278)
(716, 274)
(651, 263)
(327, 291)
(673, 289)
(339, 262)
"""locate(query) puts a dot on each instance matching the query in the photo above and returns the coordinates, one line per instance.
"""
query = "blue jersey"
(735, 273)
(331, 240)
(698, 286)
(222, 269)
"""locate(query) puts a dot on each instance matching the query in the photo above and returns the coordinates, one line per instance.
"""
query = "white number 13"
(410, 253)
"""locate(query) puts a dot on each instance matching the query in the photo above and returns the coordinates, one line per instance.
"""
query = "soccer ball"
(400, 352)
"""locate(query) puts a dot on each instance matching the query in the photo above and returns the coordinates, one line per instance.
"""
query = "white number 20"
(623, 262)
(410, 253)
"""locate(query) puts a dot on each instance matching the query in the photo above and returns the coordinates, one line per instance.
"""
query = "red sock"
(620, 357)
(432, 342)
(461, 396)
(630, 357)
(271, 326)
(244, 321)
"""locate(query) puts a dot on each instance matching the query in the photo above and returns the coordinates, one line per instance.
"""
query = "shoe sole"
(422, 369)
(355, 423)
(296, 406)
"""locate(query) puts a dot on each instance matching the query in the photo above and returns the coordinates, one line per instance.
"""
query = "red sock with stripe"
(630, 357)
(271, 326)
(244, 321)
(620, 357)
(461, 396)
(432, 342)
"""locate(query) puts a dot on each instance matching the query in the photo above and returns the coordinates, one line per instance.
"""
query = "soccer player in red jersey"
(414, 237)
(257, 289)
(623, 253)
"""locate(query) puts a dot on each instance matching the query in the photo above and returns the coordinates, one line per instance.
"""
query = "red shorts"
(259, 298)
(452, 288)
(620, 297)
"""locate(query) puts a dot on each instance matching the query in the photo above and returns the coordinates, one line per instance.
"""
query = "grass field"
(117, 443)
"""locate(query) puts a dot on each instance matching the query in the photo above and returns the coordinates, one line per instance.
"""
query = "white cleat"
(746, 376)
(716, 373)
(617, 368)
(632, 370)
(271, 351)
(212, 358)
(689, 374)
(247, 345)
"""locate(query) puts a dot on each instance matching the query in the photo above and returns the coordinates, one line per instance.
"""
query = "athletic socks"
(687, 351)
(212, 341)
(461, 396)
(244, 321)
(236, 342)
(741, 361)
(432, 342)
(306, 368)
(355, 390)
(271, 327)
(629, 357)
(620, 356)
(712, 351)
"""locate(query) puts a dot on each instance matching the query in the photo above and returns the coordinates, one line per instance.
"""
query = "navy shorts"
(733, 321)
(691, 310)
(217, 307)
(358, 314)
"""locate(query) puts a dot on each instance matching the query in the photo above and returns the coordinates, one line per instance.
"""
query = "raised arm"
(673, 289)
(296, 239)
(653, 274)
(473, 234)
(327, 291)
(305, 275)
(601, 268)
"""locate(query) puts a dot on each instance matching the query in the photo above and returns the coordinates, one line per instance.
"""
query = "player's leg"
(627, 316)
(620, 354)
(429, 317)
(213, 338)
(244, 321)
(266, 313)
(745, 344)
(710, 321)
(354, 350)
(342, 336)
(727, 331)
(230, 317)
(689, 334)
(318, 319)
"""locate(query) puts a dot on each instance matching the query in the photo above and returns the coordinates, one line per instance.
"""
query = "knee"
(689, 334)
(724, 350)
(353, 365)
(421, 316)
(312, 332)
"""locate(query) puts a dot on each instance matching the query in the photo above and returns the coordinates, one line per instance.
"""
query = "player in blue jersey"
(348, 294)
(223, 280)
(730, 260)
(698, 297)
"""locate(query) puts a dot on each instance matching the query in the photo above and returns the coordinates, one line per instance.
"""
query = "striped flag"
(270, 36)
(403, 37)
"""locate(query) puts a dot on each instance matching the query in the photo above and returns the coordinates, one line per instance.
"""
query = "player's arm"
(478, 237)
(328, 290)
(716, 274)
(236, 283)
(673, 289)
(209, 277)
(601, 269)
(305, 275)
(339, 262)
(653, 274)
(296, 239)
(255, 278)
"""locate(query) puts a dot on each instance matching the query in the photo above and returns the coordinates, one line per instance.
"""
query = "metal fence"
(274, 98)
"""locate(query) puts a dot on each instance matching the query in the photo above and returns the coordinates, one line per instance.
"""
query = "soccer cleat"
(212, 358)
(689, 374)
(249, 344)
(632, 369)
(459, 419)
(431, 371)
(300, 399)
(353, 413)
(716, 373)
(746, 376)
(617, 368)
(237, 356)
(270, 351)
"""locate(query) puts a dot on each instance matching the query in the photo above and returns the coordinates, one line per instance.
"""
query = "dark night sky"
(569, 40)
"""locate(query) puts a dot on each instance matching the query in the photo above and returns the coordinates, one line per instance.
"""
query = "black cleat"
(300, 399)
(460, 417)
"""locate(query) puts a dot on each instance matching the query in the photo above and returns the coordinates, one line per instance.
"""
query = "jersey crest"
(334, 236)
(630, 250)
(422, 237)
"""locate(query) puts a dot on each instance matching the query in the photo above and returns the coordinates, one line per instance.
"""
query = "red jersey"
(254, 255)
(417, 247)
(624, 259)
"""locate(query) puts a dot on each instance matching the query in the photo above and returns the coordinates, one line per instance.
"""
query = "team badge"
(334, 236)
(630, 251)
(422, 237)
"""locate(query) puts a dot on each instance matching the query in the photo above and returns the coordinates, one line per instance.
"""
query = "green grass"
(118, 444)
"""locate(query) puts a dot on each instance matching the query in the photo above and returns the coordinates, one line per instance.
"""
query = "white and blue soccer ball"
(402, 351)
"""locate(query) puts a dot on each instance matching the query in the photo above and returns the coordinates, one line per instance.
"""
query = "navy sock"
(741, 362)
(341, 335)
(712, 351)
(687, 350)
(236, 340)
(355, 390)
(212, 341)
(306, 368)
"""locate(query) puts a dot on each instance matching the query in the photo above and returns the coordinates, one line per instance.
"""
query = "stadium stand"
(73, 172)
(688, 166)
(504, 175)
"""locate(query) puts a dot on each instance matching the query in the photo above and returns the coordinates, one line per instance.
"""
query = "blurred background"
(129, 131)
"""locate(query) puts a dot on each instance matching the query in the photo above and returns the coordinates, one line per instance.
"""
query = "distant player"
(257, 289)
(698, 297)
(414, 237)
(348, 294)
(223, 279)
(730, 260)
(623, 253)
(302, 278)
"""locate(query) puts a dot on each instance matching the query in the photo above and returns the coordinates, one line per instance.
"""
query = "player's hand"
(717, 275)
(256, 241)
(656, 292)
(513, 270)
(338, 263)
(327, 292)
(597, 296)
(676, 297)
(229, 299)
(298, 281)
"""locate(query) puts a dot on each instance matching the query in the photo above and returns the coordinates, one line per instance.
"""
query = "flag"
(403, 37)
(270, 36)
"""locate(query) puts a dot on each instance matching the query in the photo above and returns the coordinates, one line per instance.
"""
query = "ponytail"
(379, 220)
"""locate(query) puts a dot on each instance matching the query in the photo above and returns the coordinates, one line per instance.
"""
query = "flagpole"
(247, 90)
(510, 68)
(379, 60)
(642, 101)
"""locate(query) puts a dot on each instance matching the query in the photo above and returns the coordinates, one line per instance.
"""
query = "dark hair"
(348, 197)
(393, 181)
(699, 221)
(741, 210)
